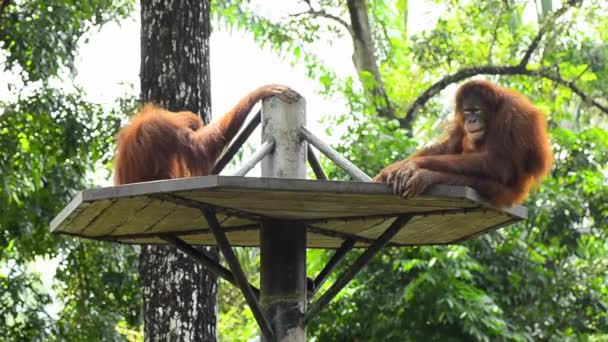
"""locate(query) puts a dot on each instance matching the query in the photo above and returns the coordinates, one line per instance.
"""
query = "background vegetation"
(544, 279)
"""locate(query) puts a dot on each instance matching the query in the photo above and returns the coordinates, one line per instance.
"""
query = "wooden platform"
(333, 211)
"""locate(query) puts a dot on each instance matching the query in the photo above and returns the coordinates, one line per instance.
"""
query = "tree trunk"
(180, 297)
(364, 57)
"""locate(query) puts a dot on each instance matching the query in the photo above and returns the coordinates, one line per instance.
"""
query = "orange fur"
(159, 144)
(513, 156)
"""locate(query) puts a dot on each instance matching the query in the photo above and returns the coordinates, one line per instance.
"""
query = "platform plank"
(140, 213)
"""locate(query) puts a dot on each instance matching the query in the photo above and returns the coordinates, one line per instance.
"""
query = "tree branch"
(493, 70)
(543, 29)
(569, 84)
(519, 69)
(322, 14)
(458, 76)
(581, 73)
(494, 38)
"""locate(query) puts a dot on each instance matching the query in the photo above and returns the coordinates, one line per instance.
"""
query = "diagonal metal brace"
(204, 259)
(237, 271)
(335, 260)
(315, 164)
(237, 143)
(336, 157)
(257, 156)
(361, 262)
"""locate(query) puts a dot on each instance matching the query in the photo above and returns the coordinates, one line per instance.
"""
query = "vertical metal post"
(283, 242)
(283, 122)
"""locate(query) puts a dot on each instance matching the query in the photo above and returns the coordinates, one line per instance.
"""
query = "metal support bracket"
(258, 155)
(237, 271)
(336, 157)
(204, 259)
(361, 262)
(331, 265)
(314, 163)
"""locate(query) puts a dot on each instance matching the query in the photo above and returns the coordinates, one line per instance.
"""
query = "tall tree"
(179, 295)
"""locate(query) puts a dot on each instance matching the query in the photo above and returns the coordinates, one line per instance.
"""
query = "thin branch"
(322, 14)
(465, 73)
(569, 84)
(519, 69)
(494, 38)
(533, 46)
(386, 38)
(543, 29)
(458, 76)
(581, 73)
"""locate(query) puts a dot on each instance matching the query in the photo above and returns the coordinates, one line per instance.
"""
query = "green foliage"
(50, 142)
(21, 301)
(41, 36)
(422, 293)
(98, 285)
(53, 143)
(235, 317)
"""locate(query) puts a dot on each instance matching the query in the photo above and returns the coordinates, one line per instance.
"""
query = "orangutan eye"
(473, 112)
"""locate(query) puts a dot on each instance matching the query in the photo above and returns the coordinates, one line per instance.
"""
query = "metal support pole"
(283, 243)
(283, 278)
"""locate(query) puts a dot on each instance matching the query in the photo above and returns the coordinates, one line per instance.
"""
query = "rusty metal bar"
(239, 275)
(237, 143)
(335, 260)
(314, 163)
(204, 259)
(361, 262)
(336, 157)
